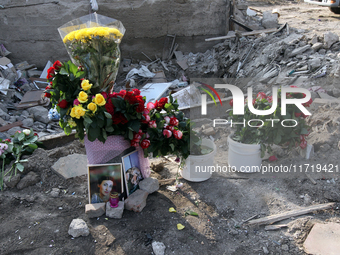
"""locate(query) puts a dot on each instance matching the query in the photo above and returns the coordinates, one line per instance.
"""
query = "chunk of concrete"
(158, 248)
(55, 192)
(317, 46)
(116, 212)
(300, 50)
(39, 113)
(269, 20)
(149, 185)
(136, 201)
(30, 179)
(28, 122)
(323, 239)
(78, 227)
(330, 38)
(71, 166)
(95, 210)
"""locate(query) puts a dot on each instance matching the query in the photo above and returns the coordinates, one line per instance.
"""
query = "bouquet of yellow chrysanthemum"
(93, 42)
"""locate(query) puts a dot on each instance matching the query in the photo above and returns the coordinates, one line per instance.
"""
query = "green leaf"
(108, 115)
(130, 135)
(304, 131)
(109, 129)
(277, 138)
(20, 167)
(21, 136)
(33, 146)
(87, 119)
(172, 146)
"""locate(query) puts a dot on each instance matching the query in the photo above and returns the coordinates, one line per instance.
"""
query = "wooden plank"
(310, 178)
(326, 101)
(9, 126)
(282, 216)
(255, 32)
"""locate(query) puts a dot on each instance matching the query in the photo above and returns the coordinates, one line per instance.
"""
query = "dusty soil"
(33, 222)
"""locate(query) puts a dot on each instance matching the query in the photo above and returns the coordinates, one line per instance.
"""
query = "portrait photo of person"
(104, 180)
(132, 172)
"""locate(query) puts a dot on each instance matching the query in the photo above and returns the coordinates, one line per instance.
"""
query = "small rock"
(95, 210)
(150, 185)
(158, 248)
(13, 130)
(265, 250)
(314, 63)
(78, 227)
(116, 213)
(285, 247)
(307, 199)
(30, 179)
(322, 52)
(40, 114)
(330, 38)
(55, 192)
(28, 122)
(317, 46)
(12, 181)
(136, 201)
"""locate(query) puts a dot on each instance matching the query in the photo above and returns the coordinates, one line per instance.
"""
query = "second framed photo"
(132, 173)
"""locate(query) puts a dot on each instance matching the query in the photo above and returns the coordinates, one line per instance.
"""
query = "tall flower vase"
(114, 148)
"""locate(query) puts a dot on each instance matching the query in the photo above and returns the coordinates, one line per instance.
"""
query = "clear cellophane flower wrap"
(92, 42)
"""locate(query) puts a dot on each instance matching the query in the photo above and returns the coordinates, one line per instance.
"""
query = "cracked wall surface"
(28, 28)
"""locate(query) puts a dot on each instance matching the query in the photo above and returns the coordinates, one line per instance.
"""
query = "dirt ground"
(33, 222)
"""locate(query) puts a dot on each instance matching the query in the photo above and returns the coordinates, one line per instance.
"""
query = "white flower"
(26, 131)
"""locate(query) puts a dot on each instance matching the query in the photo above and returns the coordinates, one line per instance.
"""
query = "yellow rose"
(92, 107)
(82, 97)
(99, 100)
(77, 112)
(86, 85)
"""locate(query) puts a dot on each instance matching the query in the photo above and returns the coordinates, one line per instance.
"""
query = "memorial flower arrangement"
(93, 42)
(22, 143)
(290, 129)
(158, 127)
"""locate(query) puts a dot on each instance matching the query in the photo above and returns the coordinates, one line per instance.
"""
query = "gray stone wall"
(28, 28)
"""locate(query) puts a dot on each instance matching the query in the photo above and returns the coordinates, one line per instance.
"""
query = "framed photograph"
(103, 181)
(132, 173)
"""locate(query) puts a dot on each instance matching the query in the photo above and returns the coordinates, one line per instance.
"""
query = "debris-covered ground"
(35, 219)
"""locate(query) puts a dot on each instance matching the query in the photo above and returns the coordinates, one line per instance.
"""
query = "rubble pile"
(22, 101)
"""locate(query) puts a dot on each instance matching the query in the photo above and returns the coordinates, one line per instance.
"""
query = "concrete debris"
(150, 185)
(95, 210)
(270, 20)
(158, 248)
(330, 38)
(78, 227)
(115, 213)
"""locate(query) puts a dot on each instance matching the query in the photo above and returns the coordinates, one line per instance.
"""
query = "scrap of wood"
(168, 181)
(326, 101)
(9, 126)
(282, 216)
(310, 178)
(275, 227)
(255, 32)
